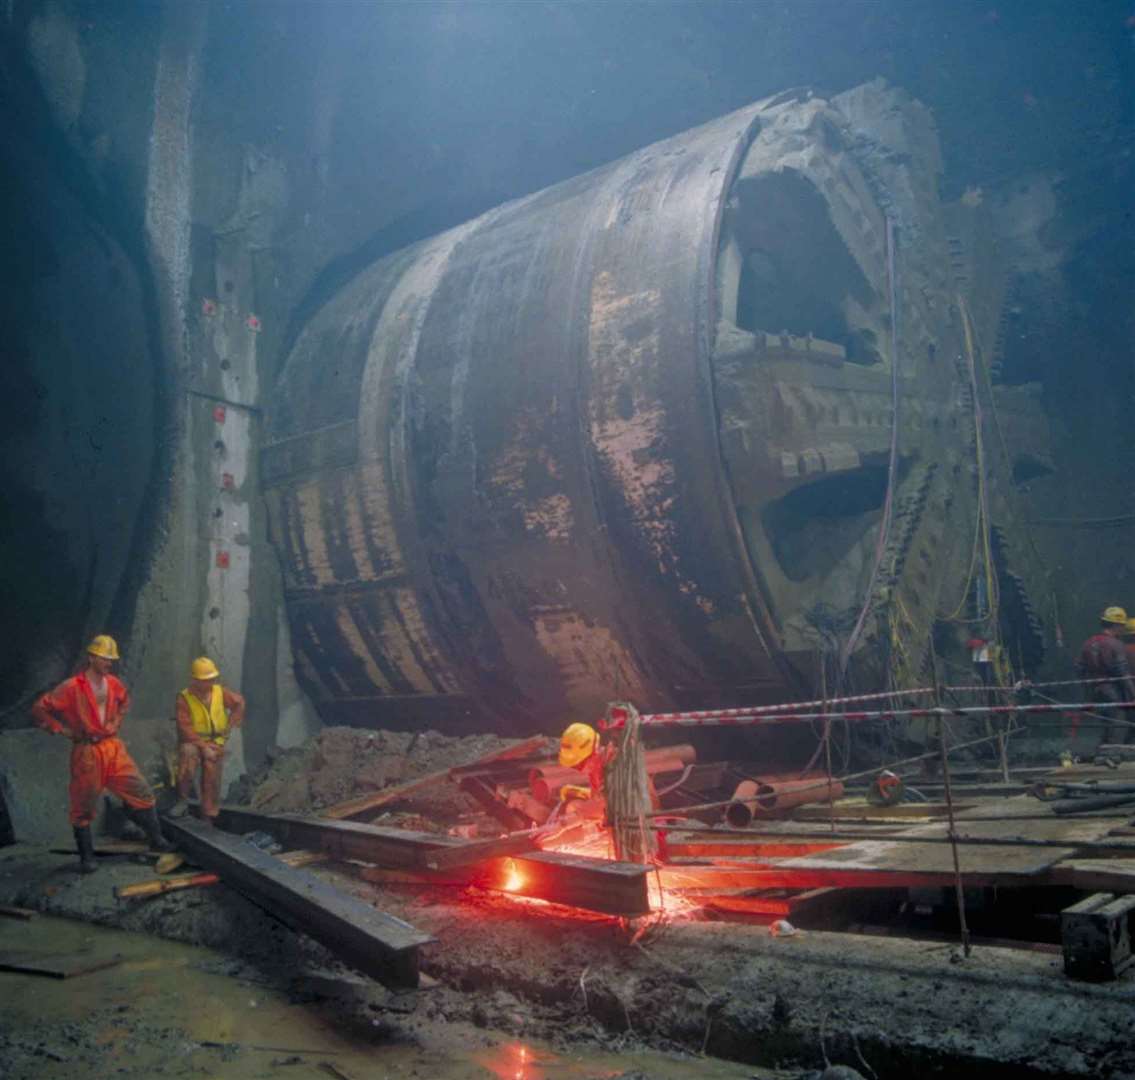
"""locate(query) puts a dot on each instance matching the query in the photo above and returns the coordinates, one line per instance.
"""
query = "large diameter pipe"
(753, 798)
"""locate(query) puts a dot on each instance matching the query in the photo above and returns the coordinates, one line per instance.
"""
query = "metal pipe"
(755, 797)
(546, 781)
(851, 776)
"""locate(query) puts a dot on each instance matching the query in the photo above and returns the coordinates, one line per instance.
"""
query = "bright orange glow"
(594, 841)
(514, 879)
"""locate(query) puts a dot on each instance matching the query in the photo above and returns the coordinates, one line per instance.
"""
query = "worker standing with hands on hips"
(89, 709)
(207, 712)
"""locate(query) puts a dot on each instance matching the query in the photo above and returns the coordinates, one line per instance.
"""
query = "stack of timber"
(378, 944)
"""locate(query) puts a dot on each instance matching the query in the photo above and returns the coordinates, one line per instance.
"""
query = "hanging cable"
(892, 466)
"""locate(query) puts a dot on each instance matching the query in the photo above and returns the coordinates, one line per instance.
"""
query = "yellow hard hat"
(577, 744)
(1114, 615)
(104, 646)
(203, 668)
(1131, 626)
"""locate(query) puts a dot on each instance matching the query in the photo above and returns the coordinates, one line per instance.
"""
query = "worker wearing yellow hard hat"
(89, 709)
(207, 712)
(1104, 665)
(581, 748)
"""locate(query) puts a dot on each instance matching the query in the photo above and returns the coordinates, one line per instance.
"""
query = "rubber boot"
(179, 808)
(86, 848)
(148, 819)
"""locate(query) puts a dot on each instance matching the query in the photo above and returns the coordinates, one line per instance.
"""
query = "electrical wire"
(892, 464)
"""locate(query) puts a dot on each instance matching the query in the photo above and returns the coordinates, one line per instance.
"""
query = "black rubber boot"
(148, 819)
(86, 847)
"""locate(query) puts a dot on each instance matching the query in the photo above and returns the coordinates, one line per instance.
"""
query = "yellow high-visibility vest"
(212, 723)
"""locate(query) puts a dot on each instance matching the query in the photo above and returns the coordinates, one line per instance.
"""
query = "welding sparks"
(514, 879)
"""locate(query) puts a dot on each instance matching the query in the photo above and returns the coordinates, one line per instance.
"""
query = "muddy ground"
(535, 972)
(172, 1010)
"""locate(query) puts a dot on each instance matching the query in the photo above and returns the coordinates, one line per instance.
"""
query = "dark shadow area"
(812, 527)
(797, 272)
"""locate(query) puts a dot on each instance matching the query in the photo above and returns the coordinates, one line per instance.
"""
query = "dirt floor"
(167, 1009)
(341, 763)
(517, 970)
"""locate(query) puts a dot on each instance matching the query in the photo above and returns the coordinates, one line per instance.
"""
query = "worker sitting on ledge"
(206, 714)
(89, 709)
(1103, 657)
(580, 749)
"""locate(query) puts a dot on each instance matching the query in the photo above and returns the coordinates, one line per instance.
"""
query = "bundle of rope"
(628, 788)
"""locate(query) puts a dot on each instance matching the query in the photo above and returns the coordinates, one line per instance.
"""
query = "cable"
(892, 464)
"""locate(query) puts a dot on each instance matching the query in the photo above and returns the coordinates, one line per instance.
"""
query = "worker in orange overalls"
(89, 708)
(206, 714)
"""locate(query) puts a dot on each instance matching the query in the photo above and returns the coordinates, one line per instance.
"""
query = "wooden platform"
(1004, 841)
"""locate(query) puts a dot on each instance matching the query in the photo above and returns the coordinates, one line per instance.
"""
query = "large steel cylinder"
(588, 446)
(495, 478)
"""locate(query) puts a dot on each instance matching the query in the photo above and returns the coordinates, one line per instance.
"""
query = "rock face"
(633, 434)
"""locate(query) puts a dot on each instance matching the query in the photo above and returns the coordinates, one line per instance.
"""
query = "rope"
(753, 719)
(627, 788)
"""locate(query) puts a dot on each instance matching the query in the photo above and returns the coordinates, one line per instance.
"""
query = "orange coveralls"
(99, 759)
(192, 754)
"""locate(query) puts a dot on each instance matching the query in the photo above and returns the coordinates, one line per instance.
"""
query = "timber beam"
(399, 848)
(602, 885)
(375, 943)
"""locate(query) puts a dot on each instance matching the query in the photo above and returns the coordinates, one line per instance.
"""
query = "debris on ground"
(341, 763)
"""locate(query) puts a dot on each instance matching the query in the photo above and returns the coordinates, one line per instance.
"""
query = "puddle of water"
(148, 1016)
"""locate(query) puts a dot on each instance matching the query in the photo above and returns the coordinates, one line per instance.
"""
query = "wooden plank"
(596, 884)
(375, 943)
(158, 886)
(341, 839)
(1020, 807)
(739, 848)
(9, 912)
(864, 810)
(707, 880)
(601, 885)
(1095, 875)
(56, 965)
(484, 793)
(750, 908)
(934, 858)
(365, 803)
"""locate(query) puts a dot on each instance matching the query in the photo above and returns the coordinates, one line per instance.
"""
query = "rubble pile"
(342, 763)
